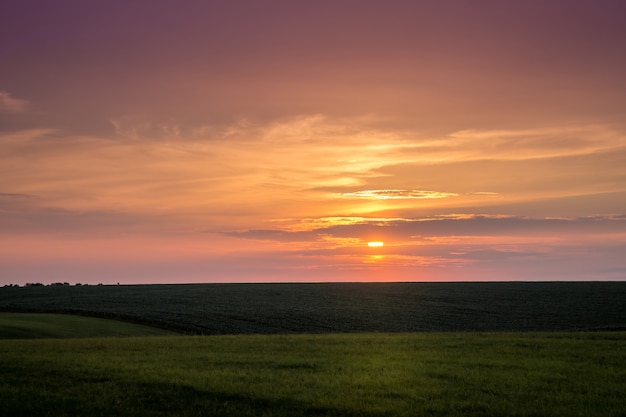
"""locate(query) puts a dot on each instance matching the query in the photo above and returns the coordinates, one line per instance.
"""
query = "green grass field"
(489, 361)
(34, 325)
(427, 374)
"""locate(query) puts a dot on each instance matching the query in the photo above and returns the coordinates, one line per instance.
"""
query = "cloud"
(415, 230)
(460, 246)
(518, 144)
(13, 196)
(305, 167)
(273, 235)
(9, 104)
(397, 194)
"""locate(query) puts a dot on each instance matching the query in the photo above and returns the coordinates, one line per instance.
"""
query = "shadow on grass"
(61, 393)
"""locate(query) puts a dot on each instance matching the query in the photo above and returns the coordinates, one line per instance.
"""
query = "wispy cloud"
(460, 246)
(307, 167)
(13, 196)
(508, 145)
(397, 194)
(10, 104)
(407, 230)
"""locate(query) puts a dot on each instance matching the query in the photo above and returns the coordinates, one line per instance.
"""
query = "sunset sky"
(155, 141)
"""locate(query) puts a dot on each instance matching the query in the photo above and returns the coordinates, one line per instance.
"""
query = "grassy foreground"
(433, 374)
(34, 325)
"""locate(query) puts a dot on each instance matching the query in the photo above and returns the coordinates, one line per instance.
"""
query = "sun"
(375, 244)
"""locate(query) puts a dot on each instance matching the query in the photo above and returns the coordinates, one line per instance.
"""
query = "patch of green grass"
(434, 374)
(38, 325)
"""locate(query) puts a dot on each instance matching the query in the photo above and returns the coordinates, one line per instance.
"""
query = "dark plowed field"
(340, 307)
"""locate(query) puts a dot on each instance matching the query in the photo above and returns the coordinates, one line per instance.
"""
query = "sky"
(154, 141)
